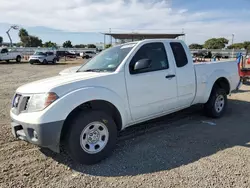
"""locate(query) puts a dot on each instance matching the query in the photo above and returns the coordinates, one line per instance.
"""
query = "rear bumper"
(44, 135)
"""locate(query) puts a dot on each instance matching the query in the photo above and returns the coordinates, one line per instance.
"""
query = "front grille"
(20, 103)
(34, 61)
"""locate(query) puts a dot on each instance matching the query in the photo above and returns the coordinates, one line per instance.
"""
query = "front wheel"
(217, 103)
(45, 61)
(92, 137)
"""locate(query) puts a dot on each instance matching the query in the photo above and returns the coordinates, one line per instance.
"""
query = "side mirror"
(142, 64)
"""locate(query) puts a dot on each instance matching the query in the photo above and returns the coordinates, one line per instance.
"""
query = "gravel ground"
(185, 149)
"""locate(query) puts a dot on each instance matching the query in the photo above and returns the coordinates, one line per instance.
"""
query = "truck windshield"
(39, 53)
(108, 60)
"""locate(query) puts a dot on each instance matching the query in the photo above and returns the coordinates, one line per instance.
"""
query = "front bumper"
(44, 135)
(35, 60)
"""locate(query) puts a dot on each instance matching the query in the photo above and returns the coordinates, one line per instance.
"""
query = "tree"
(246, 45)
(80, 46)
(23, 33)
(50, 44)
(195, 46)
(1, 40)
(35, 41)
(91, 46)
(19, 44)
(216, 43)
(29, 40)
(107, 46)
(67, 44)
(236, 46)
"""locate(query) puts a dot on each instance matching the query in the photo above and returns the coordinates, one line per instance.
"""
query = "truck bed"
(208, 72)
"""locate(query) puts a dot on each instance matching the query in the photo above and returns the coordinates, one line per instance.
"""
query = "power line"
(102, 30)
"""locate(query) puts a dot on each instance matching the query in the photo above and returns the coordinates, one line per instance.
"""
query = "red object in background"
(248, 61)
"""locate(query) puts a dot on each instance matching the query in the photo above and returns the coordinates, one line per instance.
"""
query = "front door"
(4, 54)
(50, 56)
(152, 91)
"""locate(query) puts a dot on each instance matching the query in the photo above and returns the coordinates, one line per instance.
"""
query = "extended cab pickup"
(7, 55)
(122, 86)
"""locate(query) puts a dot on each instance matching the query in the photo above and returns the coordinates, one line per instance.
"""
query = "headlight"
(38, 102)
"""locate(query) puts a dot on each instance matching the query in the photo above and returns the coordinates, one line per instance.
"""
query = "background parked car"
(87, 54)
(43, 57)
(64, 53)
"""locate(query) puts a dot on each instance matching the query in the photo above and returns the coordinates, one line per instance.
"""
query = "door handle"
(170, 76)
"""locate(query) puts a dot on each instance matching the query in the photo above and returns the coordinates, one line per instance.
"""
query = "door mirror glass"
(142, 64)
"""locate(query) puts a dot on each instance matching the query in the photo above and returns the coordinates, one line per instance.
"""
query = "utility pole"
(232, 44)
(232, 39)
(110, 36)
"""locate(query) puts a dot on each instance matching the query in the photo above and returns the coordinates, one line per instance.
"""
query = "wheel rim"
(94, 137)
(219, 103)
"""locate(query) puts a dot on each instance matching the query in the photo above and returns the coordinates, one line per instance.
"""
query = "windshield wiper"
(95, 70)
(92, 70)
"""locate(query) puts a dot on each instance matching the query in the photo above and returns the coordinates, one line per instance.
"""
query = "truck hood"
(36, 56)
(48, 84)
(70, 70)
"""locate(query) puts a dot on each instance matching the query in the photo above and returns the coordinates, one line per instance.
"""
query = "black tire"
(31, 63)
(18, 59)
(45, 61)
(54, 61)
(244, 81)
(210, 106)
(81, 121)
(7, 61)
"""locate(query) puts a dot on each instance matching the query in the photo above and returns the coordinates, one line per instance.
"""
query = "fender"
(211, 80)
(60, 109)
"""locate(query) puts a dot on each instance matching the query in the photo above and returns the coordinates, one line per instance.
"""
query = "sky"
(83, 21)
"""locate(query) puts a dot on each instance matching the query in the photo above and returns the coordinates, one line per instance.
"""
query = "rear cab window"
(179, 53)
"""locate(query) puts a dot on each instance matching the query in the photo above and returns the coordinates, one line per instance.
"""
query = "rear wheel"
(92, 137)
(54, 61)
(217, 103)
(18, 59)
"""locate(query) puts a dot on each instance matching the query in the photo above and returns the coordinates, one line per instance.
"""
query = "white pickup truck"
(7, 55)
(122, 86)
